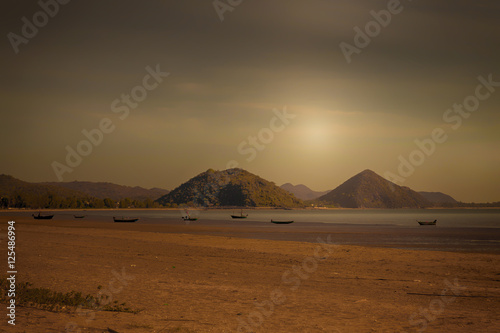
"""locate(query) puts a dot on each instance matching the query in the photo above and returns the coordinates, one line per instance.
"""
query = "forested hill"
(15, 193)
(232, 187)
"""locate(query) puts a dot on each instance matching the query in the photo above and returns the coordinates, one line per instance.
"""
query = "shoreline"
(183, 281)
(426, 238)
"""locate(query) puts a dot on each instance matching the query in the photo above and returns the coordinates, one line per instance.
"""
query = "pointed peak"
(367, 172)
(370, 190)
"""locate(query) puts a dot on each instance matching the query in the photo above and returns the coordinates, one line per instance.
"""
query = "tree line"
(54, 201)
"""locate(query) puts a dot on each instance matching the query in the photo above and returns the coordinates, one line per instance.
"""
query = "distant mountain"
(302, 192)
(20, 194)
(109, 190)
(232, 187)
(438, 197)
(369, 190)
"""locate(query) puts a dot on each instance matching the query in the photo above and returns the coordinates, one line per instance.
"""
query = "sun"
(316, 134)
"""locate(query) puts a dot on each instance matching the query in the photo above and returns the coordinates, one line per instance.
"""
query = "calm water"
(470, 230)
(449, 218)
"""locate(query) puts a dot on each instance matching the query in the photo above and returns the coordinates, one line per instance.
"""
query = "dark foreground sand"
(184, 282)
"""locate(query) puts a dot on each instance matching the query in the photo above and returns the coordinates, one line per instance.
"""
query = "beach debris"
(361, 300)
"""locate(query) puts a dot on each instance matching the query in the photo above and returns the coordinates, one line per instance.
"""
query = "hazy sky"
(226, 78)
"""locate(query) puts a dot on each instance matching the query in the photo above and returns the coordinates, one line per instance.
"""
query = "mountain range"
(302, 192)
(21, 194)
(232, 187)
(16, 193)
(369, 190)
(116, 192)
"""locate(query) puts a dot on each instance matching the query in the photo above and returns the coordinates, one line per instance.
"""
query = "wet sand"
(218, 277)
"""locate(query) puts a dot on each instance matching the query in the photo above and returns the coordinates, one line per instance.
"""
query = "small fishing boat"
(125, 219)
(79, 216)
(42, 217)
(189, 217)
(281, 222)
(427, 222)
(241, 216)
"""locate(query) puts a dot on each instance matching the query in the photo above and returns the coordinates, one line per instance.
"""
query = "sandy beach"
(192, 278)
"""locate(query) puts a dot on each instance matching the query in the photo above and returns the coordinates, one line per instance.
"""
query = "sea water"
(449, 218)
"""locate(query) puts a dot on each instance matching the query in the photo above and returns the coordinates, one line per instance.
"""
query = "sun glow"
(316, 134)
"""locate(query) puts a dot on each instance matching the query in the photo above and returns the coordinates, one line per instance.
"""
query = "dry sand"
(199, 283)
